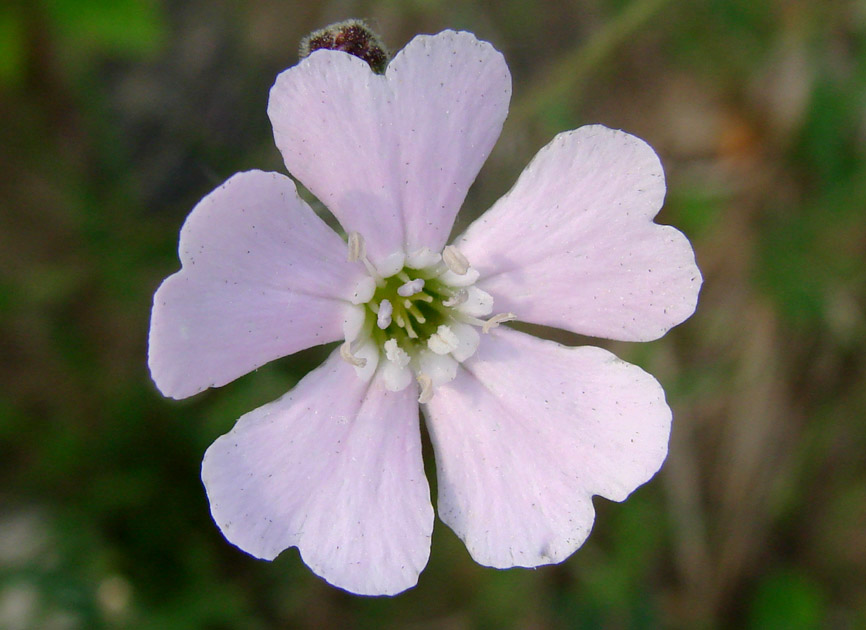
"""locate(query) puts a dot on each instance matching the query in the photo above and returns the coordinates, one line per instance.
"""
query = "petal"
(452, 94)
(333, 124)
(573, 244)
(528, 432)
(333, 468)
(262, 278)
(392, 156)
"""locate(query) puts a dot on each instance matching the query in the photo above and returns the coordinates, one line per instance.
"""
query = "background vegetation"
(117, 116)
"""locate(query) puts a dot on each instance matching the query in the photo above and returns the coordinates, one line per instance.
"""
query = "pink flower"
(525, 430)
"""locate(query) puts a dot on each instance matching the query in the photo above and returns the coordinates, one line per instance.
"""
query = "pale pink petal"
(333, 122)
(573, 244)
(452, 94)
(262, 277)
(528, 432)
(393, 155)
(333, 468)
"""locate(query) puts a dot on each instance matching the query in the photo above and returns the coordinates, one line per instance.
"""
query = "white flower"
(525, 431)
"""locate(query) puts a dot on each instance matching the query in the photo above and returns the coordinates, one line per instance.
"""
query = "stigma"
(417, 316)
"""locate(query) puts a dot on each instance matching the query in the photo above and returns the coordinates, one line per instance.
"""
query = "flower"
(525, 431)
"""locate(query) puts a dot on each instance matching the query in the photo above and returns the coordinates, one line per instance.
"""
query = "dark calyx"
(353, 37)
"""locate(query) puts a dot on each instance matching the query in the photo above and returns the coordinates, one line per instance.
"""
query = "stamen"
(395, 354)
(457, 299)
(424, 326)
(383, 318)
(346, 355)
(494, 321)
(357, 247)
(358, 251)
(417, 314)
(455, 260)
(426, 384)
(409, 330)
(411, 287)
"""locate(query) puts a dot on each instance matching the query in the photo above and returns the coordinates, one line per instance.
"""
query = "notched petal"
(528, 432)
(262, 277)
(573, 244)
(333, 468)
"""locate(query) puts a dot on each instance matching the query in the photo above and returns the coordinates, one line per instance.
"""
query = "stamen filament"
(346, 355)
(417, 314)
(494, 321)
(425, 320)
(409, 330)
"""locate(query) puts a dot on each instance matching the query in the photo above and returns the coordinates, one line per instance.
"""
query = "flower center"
(416, 314)
(411, 306)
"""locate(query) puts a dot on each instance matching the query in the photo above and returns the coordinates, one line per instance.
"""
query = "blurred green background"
(117, 116)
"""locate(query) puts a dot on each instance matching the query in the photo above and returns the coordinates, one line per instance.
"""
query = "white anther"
(395, 354)
(364, 290)
(494, 321)
(411, 288)
(443, 340)
(426, 384)
(457, 299)
(383, 318)
(422, 258)
(357, 248)
(346, 354)
(455, 260)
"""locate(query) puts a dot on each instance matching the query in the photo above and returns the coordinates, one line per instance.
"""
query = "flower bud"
(351, 36)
